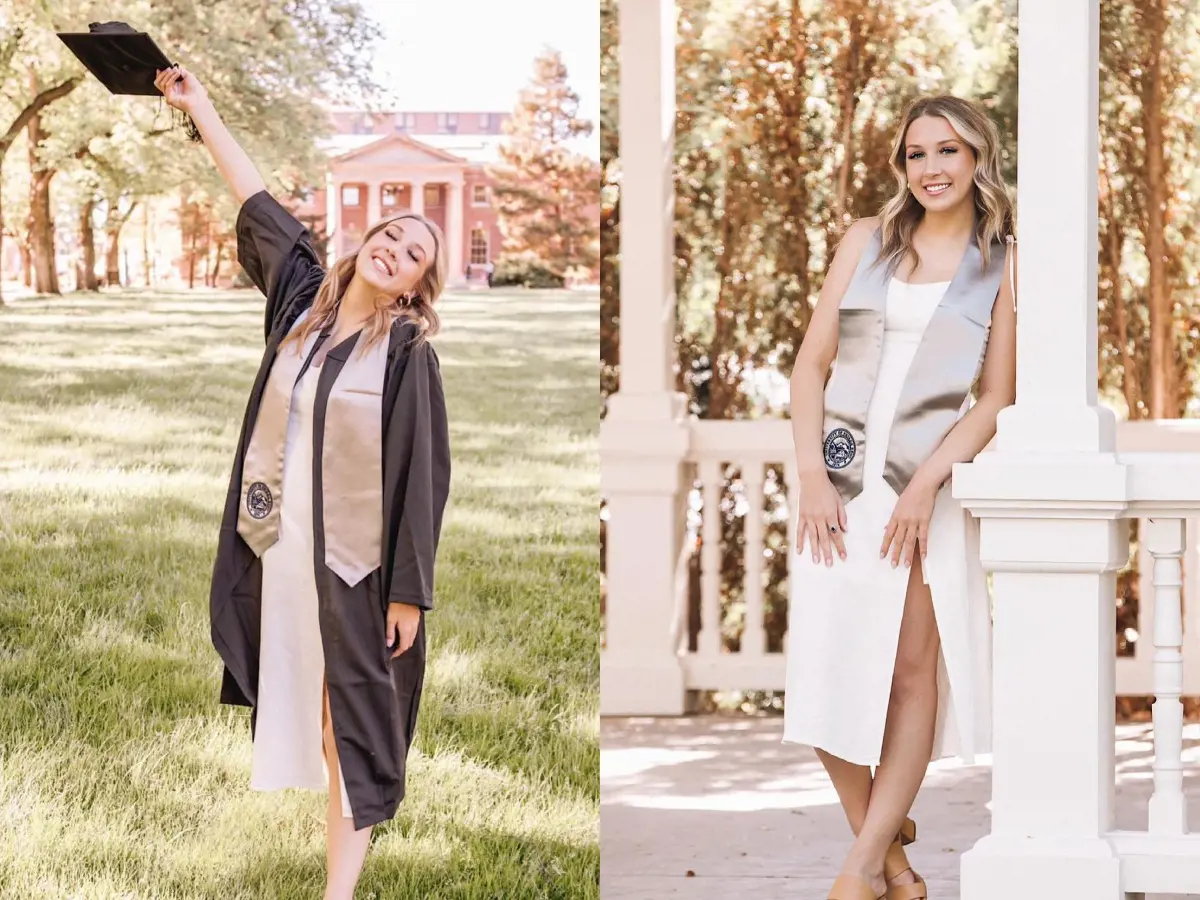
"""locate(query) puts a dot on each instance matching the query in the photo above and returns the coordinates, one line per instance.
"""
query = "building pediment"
(398, 150)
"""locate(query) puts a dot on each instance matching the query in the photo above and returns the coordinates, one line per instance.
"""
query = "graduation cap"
(123, 59)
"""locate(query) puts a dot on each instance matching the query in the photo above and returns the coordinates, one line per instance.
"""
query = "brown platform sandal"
(847, 887)
(896, 863)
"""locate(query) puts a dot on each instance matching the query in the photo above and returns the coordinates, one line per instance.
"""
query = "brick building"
(434, 163)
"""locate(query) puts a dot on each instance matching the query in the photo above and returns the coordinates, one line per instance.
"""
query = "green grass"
(120, 774)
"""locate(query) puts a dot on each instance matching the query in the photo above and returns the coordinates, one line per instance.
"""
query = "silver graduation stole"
(351, 461)
(944, 368)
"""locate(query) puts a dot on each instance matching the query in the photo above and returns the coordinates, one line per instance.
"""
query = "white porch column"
(417, 189)
(333, 222)
(1049, 499)
(374, 202)
(644, 436)
(454, 230)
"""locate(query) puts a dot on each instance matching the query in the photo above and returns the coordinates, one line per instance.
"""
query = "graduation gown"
(373, 699)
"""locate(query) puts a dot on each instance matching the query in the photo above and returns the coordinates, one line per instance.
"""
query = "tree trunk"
(216, 268)
(40, 100)
(1161, 324)
(1130, 373)
(722, 382)
(146, 243)
(192, 261)
(87, 238)
(41, 224)
(116, 221)
(26, 263)
(112, 257)
(208, 279)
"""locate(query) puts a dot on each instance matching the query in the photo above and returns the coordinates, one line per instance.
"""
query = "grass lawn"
(121, 776)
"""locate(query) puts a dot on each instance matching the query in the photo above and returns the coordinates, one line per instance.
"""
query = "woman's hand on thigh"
(907, 532)
(822, 519)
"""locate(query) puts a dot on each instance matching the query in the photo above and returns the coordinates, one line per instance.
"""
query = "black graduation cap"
(124, 60)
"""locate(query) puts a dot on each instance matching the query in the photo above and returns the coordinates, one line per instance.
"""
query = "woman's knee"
(915, 673)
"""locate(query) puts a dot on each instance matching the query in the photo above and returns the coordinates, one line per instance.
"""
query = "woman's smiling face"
(939, 164)
(394, 259)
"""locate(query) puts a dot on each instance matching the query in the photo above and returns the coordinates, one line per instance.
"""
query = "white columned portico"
(417, 189)
(333, 223)
(1049, 500)
(454, 229)
(644, 436)
(374, 202)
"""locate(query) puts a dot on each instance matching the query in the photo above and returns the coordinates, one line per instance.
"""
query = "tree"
(544, 191)
(265, 65)
(23, 96)
(1149, 172)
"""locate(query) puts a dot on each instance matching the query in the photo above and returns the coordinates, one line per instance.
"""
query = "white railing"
(1164, 858)
(754, 445)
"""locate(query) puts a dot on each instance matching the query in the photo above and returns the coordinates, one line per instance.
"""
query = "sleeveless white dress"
(844, 620)
(287, 733)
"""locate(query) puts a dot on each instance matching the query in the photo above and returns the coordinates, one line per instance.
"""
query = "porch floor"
(748, 816)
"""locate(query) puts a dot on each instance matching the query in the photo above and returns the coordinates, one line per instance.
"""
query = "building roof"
(477, 149)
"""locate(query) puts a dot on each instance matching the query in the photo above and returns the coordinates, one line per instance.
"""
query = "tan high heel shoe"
(847, 887)
(895, 863)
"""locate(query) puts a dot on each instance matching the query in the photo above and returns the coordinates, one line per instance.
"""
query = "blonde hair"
(993, 207)
(419, 308)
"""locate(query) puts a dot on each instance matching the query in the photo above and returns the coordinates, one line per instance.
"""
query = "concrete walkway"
(714, 807)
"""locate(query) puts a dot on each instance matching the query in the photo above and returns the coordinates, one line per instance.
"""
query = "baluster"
(708, 642)
(1168, 812)
(754, 641)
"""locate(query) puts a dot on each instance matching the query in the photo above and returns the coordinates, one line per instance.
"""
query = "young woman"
(325, 558)
(889, 664)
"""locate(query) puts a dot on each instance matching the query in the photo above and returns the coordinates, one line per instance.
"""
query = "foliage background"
(785, 112)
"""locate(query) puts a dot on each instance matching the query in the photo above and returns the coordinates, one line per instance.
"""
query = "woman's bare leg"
(853, 785)
(345, 848)
(908, 735)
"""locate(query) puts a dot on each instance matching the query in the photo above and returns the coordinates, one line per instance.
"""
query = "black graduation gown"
(373, 699)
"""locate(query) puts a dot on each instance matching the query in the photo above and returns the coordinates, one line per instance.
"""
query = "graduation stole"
(351, 458)
(947, 362)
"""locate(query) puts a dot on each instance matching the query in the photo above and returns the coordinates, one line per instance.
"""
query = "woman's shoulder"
(850, 248)
(860, 230)
(408, 340)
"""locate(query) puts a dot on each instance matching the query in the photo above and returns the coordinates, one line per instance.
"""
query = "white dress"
(287, 734)
(844, 620)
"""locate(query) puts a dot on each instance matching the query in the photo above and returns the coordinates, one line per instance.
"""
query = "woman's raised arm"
(184, 92)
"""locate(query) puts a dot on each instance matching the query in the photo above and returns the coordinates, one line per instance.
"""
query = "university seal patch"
(839, 448)
(259, 500)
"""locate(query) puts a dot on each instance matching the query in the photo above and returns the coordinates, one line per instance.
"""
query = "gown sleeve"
(274, 248)
(424, 439)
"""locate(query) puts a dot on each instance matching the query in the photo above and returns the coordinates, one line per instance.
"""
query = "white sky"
(475, 55)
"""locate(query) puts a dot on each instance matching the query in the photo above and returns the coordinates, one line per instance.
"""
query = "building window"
(350, 195)
(433, 195)
(479, 195)
(485, 121)
(390, 196)
(479, 246)
(447, 123)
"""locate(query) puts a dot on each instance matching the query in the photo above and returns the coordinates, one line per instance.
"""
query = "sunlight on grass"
(120, 774)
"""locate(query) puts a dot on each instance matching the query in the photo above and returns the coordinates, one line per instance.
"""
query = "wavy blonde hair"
(387, 309)
(993, 207)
